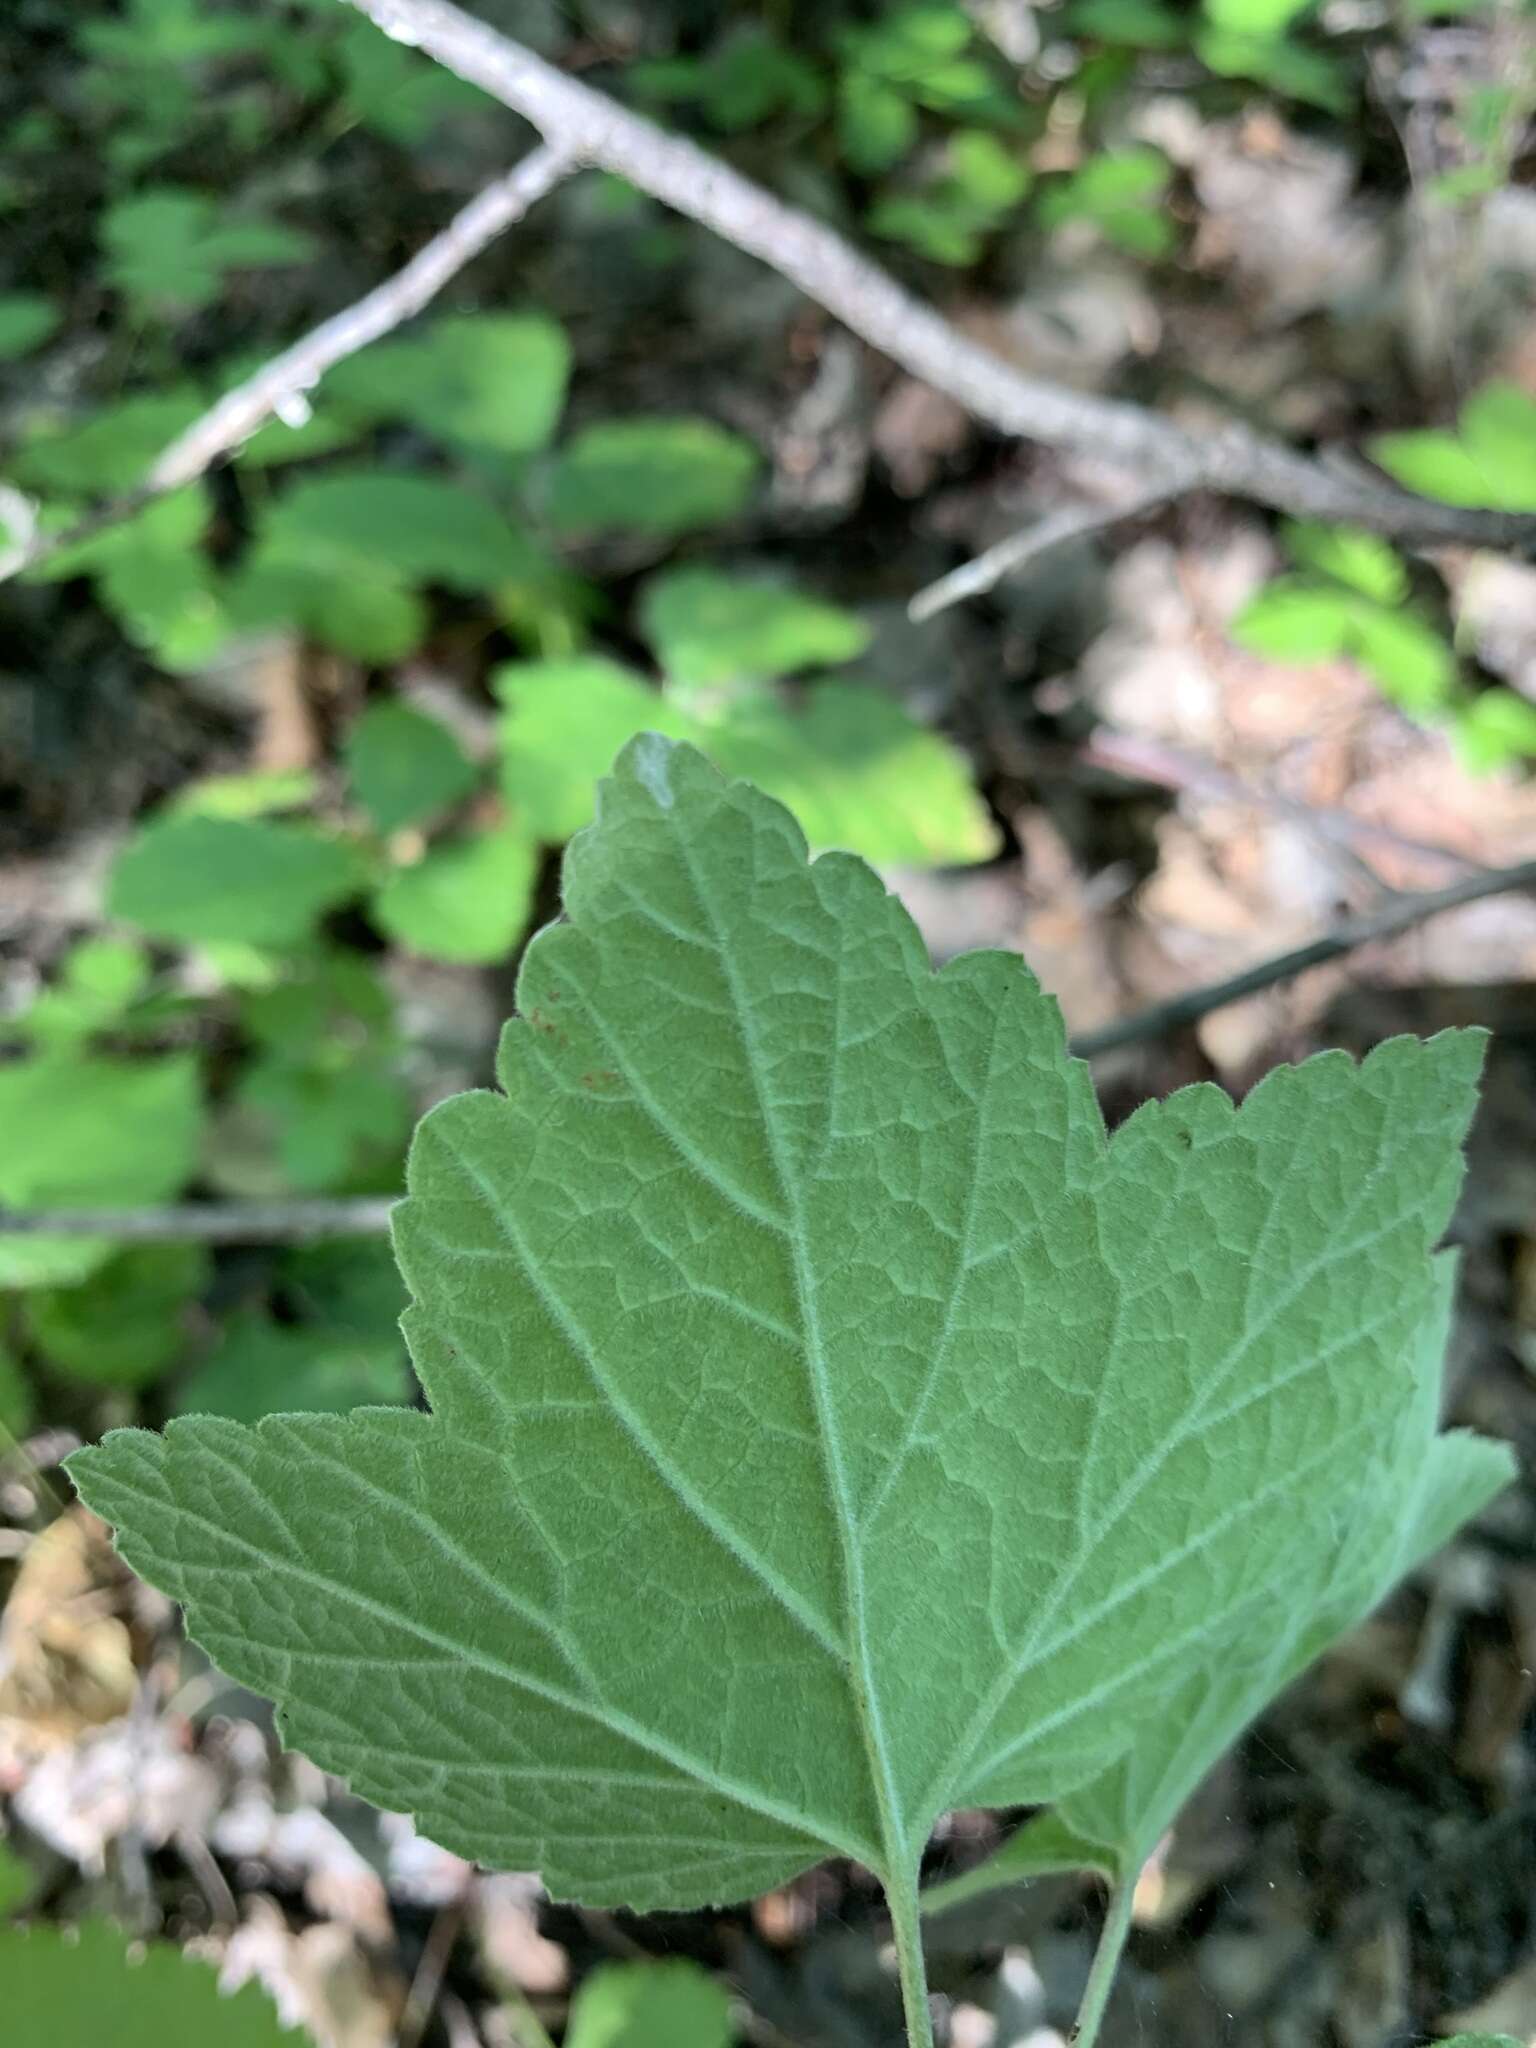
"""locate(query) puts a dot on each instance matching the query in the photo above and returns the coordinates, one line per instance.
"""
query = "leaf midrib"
(899, 1850)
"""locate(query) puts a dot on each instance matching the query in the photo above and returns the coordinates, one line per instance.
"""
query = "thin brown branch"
(1072, 522)
(295, 1222)
(279, 389)
(1398, 914)
(1232, 459)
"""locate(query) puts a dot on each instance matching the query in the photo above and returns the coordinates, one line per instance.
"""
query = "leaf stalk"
(1106, 1961)
(907, 1934)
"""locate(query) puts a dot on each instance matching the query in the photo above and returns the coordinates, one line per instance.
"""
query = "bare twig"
(426, 1985)
(296, 1222)
(1232, 459)
(1397, 914)
(1072, 522)
(279, 388)
(529, 2030)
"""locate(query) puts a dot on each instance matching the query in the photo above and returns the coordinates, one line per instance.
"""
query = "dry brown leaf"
(318, 1979)
(66, 1656)
(511, 1946)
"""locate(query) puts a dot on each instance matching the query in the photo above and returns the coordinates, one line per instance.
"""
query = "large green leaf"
(830, 1424)
(230, 880)
(83, 1988)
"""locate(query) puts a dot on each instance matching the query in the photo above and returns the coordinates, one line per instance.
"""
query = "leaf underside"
(830, 1424)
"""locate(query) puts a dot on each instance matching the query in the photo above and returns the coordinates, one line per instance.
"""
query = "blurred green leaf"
(403, 766)
(261, 793)
(1350, 555)
(1291, 620)
(393, 90)
(263, 1367)
(111, 449)
(169, 248)
(650, 475)
(1256, 17)
(876, 124)
(85, 1131)
(563, 723)
(199, 879)
(327, 998)
(26, 321)
(745, 79)
(1438, 464)
(855, 769)
(340, 554)
(334, 1116)
(1121, 192)
(859, 773)
(987, 171)
(707, 627)
(467, 900)
(1496, 729)
(909, 42)
(1413, 664)
(126, 1323)
(1298, 619)
(355, 610)
(1139, 24)
(322, 1104)
(1498, 428)
(962, 197)
(80, 1987)
(151, 573)
(98, 980)
(478, 380)
(16, 1413)
(350, 1284)
(156, 33)
(649, 2005)
(1285, 67)
(384, 522)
